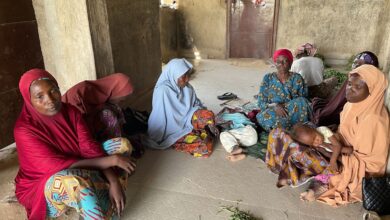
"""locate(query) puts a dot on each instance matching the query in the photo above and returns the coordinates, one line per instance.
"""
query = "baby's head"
(307, 135)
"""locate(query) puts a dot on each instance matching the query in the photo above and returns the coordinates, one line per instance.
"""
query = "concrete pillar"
(65, 37)
(100, 33)
(89, 39)
(135, 39)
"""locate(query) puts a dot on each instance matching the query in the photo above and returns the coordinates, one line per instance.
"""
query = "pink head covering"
(27, 79)
(46, 145)
(307, 48)
(283, 52)
(90, 95)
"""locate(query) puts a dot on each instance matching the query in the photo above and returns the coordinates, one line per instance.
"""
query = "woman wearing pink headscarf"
(282, 97)
(98, 100)
(61, 165)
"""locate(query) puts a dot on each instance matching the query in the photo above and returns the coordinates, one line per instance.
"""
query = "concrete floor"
(172, 185)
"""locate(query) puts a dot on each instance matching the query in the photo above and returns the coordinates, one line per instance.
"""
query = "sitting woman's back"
(98, 101)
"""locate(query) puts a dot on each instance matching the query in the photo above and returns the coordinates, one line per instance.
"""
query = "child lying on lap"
(323, 140)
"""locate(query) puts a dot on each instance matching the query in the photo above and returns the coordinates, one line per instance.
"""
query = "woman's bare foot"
(307, 196)
(237, 150)
(281, 183)
(236, 157)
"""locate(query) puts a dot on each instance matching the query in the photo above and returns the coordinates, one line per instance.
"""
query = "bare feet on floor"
(236, 157)
(281, 183)
(308, 195)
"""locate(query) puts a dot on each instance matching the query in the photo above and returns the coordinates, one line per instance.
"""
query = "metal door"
(251, 27)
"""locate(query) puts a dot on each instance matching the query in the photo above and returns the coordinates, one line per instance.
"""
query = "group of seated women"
(364, 127)
(73, 151)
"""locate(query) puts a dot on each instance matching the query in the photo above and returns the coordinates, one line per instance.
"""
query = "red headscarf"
(283, 52)
(90, 95)
(47, 145)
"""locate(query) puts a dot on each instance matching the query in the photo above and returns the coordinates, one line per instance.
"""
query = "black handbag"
(376, 194)
(136, 121)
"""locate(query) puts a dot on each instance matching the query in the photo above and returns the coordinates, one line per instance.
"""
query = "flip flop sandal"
(227, 96)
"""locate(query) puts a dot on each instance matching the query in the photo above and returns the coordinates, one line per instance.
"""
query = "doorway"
(251, 28)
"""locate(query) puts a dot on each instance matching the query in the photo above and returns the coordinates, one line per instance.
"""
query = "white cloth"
(310, 68)
(327, 133)
(246, 136)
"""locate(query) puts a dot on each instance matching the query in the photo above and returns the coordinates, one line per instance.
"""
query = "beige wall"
(383, 37)
(204, 23)
(65, 38)
(339, 28)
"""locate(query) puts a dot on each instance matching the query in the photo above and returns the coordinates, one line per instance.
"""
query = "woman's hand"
(280, 110)
(123, 162)
(117, 197)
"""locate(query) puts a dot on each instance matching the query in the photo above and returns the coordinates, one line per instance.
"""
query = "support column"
(89, 39)
(66, 32)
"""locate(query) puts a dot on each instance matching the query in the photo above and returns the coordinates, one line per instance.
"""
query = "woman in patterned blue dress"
(282, 97)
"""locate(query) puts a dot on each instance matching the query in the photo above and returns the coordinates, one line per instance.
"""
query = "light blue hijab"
(172, 106)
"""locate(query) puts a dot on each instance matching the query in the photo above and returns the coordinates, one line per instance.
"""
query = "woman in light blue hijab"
(178, 118)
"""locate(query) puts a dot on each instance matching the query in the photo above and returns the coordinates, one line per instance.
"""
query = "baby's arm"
(336, 148)
(347, 150)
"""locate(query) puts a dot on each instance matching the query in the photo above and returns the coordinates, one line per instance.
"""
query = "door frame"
(274, 27)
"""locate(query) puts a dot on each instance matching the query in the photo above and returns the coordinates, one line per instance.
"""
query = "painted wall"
(135, 40)
(202, 27)
(19, 51)
(339, 28)
(383, 37)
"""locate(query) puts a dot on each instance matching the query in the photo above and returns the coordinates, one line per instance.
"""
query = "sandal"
(227, 96)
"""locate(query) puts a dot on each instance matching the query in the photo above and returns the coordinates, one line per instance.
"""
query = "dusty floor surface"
(171, 185)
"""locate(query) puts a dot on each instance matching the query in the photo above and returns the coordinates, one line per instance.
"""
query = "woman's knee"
(66, 182)
(251, 134)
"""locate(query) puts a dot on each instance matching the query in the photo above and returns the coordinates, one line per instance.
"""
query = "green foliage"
(341, 76)
(349, 64)
(237, 214)
(320, 56)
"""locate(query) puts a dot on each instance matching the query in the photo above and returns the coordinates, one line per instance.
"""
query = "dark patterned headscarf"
(365, 57)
